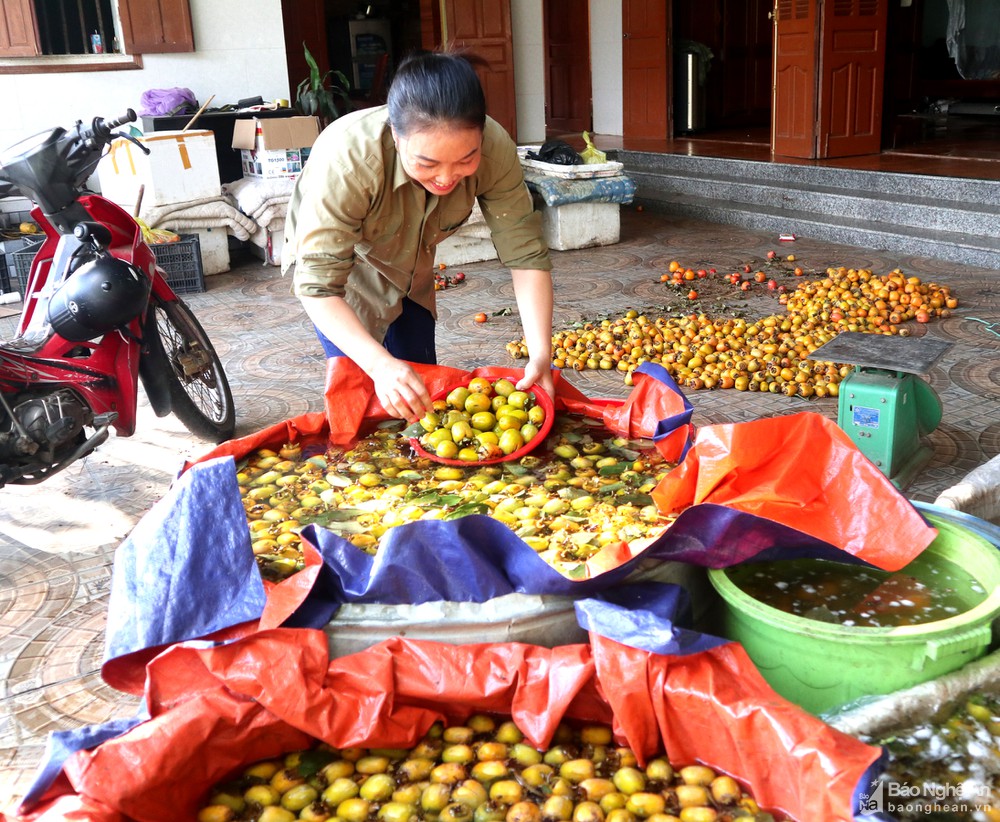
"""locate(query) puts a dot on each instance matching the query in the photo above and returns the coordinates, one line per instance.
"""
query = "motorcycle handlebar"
(51, 168)
(101, 129)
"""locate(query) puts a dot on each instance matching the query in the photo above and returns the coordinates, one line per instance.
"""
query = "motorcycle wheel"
(200, 396)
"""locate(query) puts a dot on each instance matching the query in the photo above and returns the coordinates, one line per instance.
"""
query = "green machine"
(885, 407)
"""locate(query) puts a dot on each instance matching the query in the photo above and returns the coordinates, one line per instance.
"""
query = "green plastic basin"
(823, 666)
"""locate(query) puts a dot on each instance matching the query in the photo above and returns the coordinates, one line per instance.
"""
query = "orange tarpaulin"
(351, 402)
(215, 710)
(802, 471)
(352, 408)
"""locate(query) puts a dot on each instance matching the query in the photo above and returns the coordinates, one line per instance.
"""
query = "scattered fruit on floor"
(768, 354)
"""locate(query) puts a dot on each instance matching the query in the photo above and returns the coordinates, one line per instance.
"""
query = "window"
(76, 27)
(58, 32)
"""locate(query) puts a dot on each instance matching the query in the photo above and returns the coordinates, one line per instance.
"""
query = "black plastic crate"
(19, 266)
(181, 260)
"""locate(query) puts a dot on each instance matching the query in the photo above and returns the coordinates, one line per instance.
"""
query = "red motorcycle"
(98, 317)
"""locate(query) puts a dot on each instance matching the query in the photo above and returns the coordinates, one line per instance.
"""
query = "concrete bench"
(579, 213)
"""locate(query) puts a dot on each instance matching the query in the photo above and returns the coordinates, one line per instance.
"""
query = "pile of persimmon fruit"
(769, 354)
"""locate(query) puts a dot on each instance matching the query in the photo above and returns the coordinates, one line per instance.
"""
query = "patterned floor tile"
(57, 540)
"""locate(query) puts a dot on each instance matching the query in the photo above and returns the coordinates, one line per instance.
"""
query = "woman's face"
(439, 157)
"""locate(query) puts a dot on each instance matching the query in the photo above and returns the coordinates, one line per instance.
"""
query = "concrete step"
(944, 218)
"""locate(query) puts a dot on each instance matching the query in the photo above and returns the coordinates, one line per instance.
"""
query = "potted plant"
(322, 95)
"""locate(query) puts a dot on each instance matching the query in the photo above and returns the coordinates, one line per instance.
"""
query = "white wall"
(527, 31)
(240, 52)
(529, 67)
(606, 65)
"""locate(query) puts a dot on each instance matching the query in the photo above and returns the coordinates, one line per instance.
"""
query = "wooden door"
(852, 72)
(430, 24)
(646, 73)
(483, 27)
(743, 65)
(304, 21)
(567, 67)
(794, 108)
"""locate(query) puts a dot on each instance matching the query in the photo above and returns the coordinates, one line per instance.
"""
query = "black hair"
(433, 89)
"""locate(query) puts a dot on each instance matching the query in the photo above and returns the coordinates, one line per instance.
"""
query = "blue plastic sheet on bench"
(557, 191)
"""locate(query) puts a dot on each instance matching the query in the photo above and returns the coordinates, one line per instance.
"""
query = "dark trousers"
(410, 337)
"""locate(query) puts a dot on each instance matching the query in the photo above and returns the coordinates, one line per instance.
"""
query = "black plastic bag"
(556, 152)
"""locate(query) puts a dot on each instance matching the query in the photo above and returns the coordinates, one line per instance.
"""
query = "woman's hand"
(537, 372)
(400, 389)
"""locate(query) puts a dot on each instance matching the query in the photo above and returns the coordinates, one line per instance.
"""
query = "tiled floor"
(57, 540)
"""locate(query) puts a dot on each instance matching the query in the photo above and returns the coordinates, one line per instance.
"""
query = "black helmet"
(99, 296)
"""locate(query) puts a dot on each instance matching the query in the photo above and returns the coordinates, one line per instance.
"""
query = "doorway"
(358, 33)
(928, 109)
(568, 108)
(931, 109)
(728, 81)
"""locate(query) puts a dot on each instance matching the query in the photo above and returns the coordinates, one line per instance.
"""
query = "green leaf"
(639, 500)
(336, 515)
(578, 572)
(307, 103)
(342, 514)
(312, 762)
(604, 490)
(318, 93)
(467, 509)
(314, 77)
(516, 469)
(625, 453)
(614, 470)
(342, 528)
(436, 499)
(342, 80)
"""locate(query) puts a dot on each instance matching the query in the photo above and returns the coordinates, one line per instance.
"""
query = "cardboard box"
(275, 147)
(181, 166)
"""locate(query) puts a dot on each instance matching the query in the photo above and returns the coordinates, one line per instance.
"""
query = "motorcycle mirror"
(98, 234)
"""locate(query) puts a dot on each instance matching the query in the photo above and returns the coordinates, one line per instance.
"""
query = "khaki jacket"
(358, 227)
